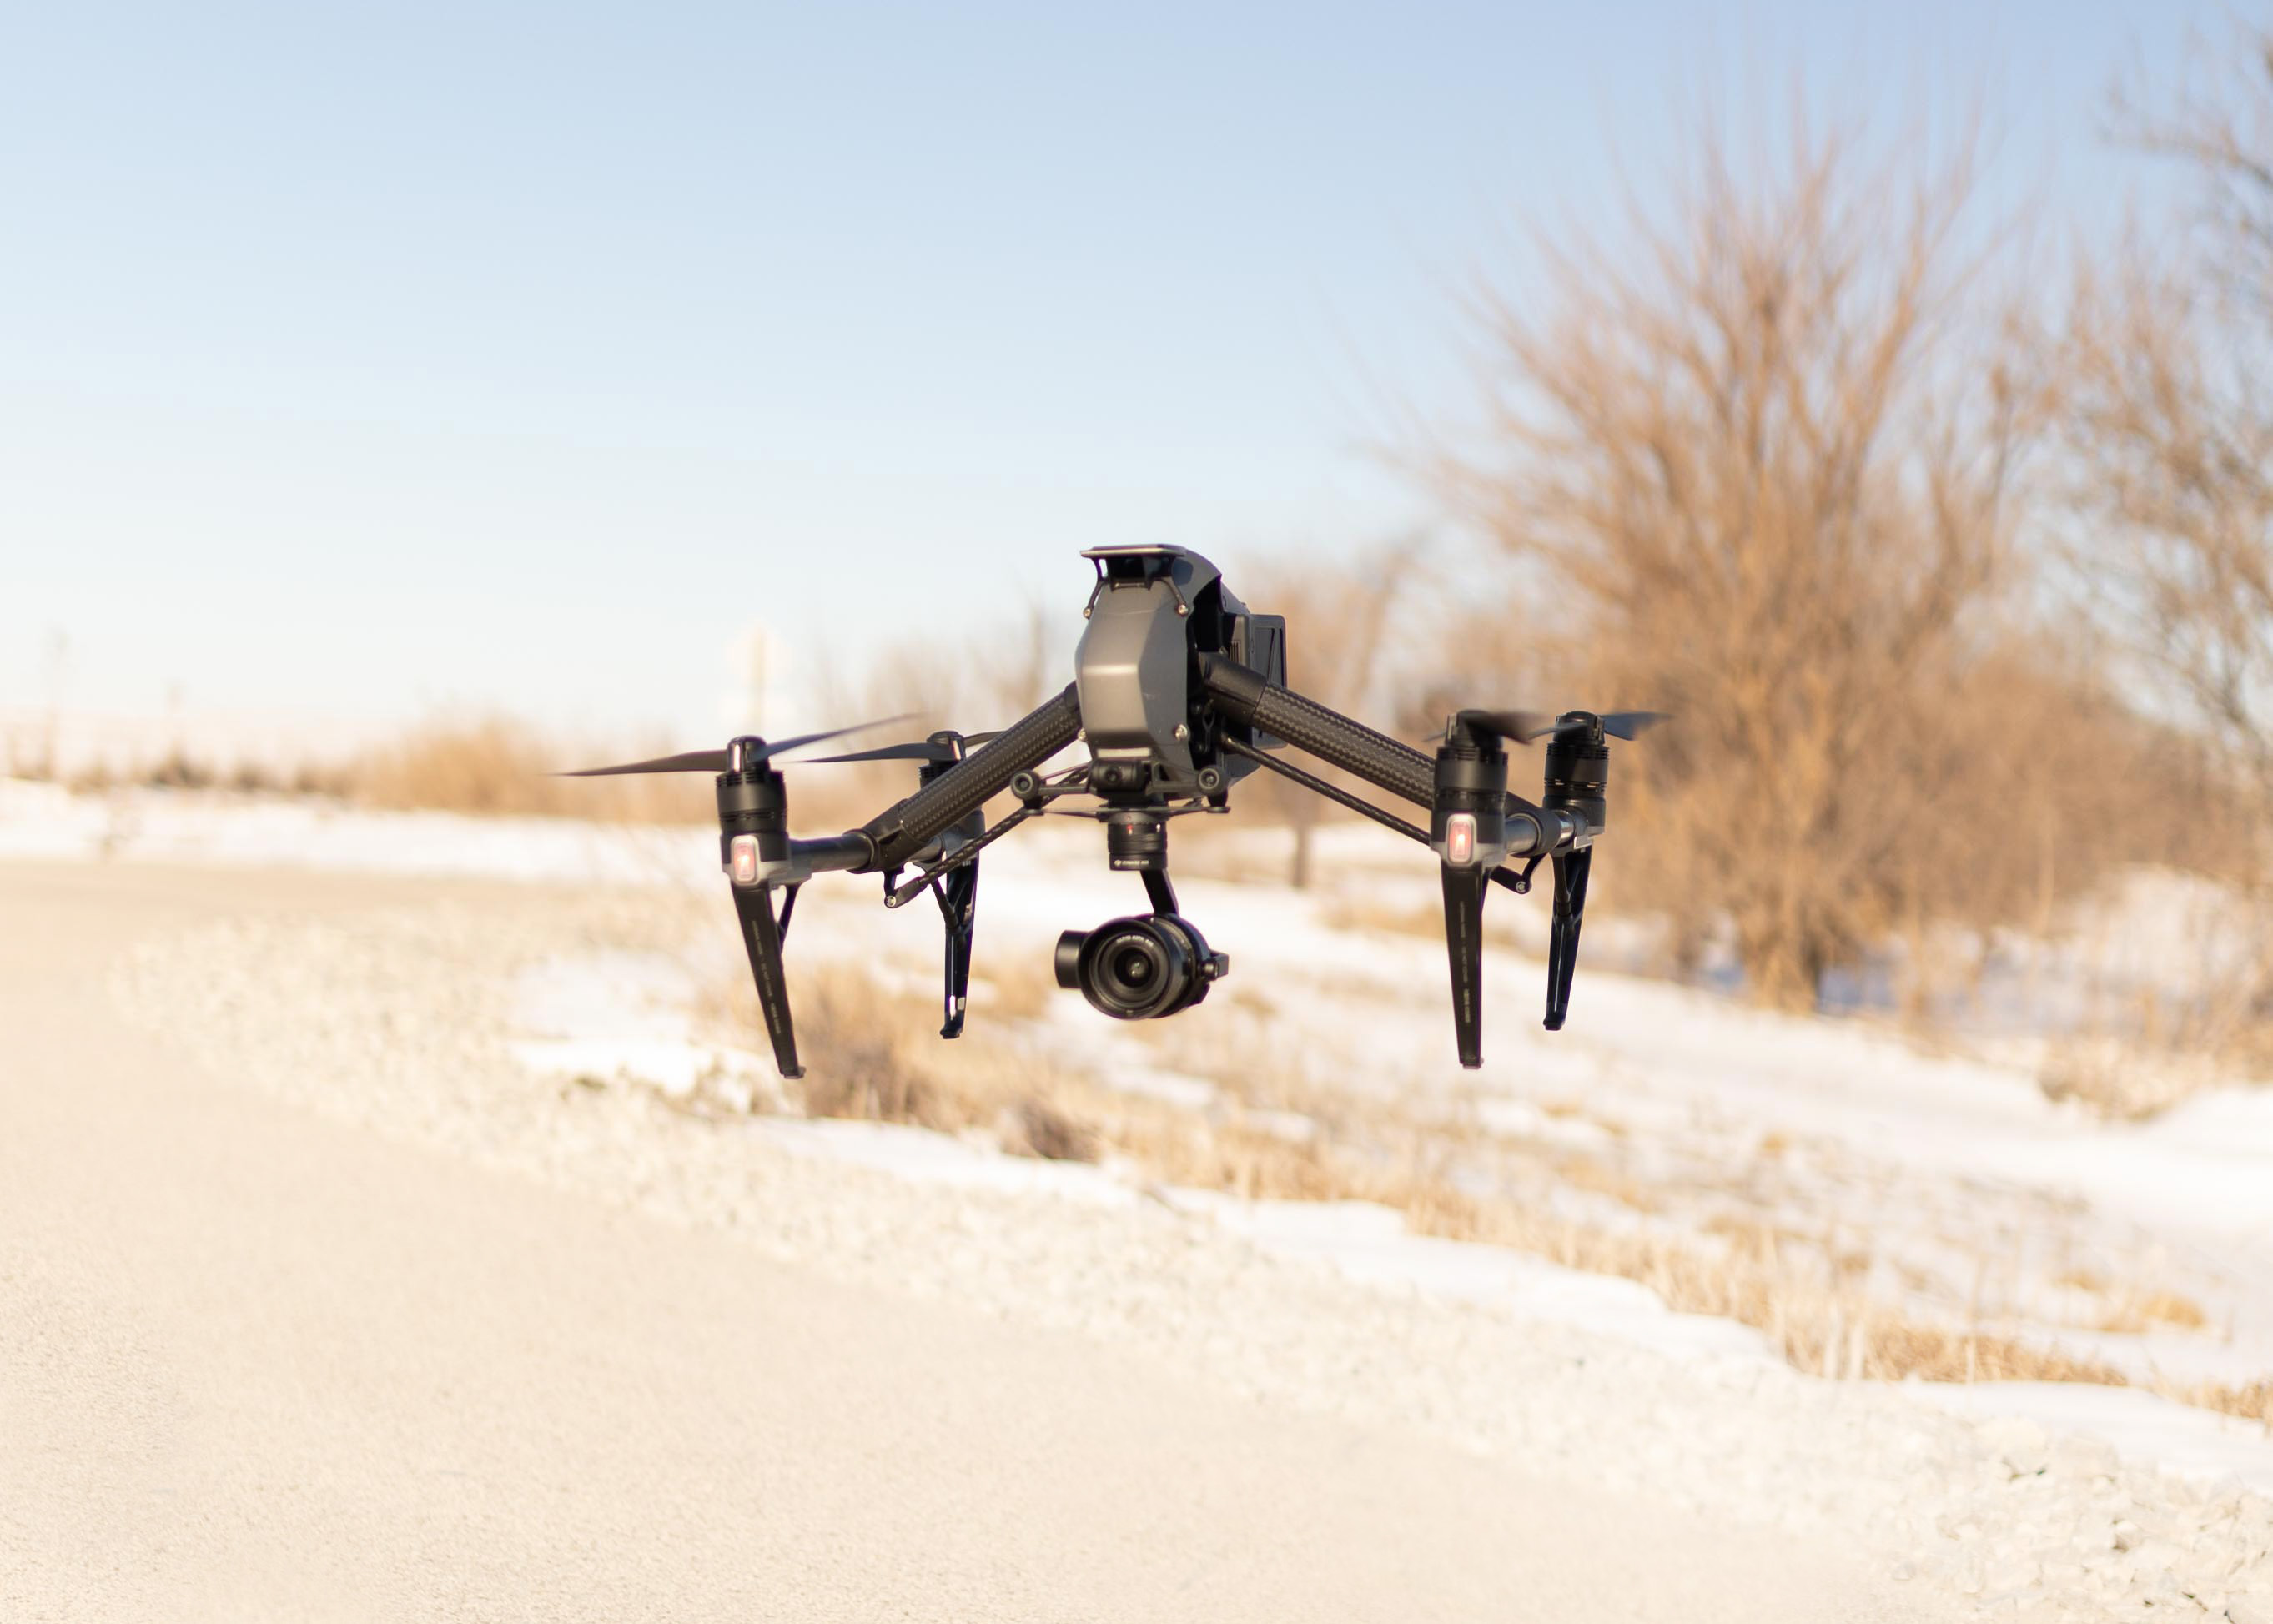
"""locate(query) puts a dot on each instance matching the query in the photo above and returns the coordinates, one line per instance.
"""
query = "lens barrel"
(1139, 969)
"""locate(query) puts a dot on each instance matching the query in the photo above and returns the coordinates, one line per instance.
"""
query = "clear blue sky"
(361, 360)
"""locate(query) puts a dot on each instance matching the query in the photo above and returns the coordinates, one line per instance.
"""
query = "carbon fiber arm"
(907, 828)
(1326, 734)
(1358, 750)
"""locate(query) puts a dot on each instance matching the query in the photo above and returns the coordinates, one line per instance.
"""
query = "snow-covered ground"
(1950, 1186)
(1962, 1192)
(1965, 1191)
(40, 819)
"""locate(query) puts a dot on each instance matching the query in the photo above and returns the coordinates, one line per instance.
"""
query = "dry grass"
(2142, 1050)
(1427, 922)
(2143, 1311)
(869, 1056)
(1812, 1298)
(493, 766)
(1820, 1318)
(2123, 1082)
(496, 766)
(1818, 1328)
(1349, 914)
(1017, 992)
(1824, 1326)
(873, 1055)
(2253, 1401)
(177, 769)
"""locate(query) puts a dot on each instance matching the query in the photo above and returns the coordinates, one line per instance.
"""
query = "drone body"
(1179, 693)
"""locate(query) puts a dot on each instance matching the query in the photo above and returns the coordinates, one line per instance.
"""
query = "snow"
(2230, 1125)
(606, 1017)
(676, 1068)
(1952, 1171)
(925, 1157)
(2142, 1427)
(412, 1011)
(605, 996)
(156, 825)
(1371, 1243)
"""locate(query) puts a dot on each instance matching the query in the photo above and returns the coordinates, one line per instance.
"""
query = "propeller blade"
(1632, 723)
(1522, 726)
(715, 760)
(774, 747)
(917, 750)
(1525, 726)
(914, 750)
(686, 761)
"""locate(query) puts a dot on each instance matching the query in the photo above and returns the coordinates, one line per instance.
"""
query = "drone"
(1179, 693)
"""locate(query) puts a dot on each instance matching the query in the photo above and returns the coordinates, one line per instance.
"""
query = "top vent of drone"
(1141, 563)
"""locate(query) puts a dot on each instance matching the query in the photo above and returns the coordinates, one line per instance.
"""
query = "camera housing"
(1142, 968)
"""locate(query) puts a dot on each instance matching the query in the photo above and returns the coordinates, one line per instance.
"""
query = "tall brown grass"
(873, 1056)
(496, 766)
(493, 766)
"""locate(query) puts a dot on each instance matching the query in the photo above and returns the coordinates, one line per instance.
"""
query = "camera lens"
(1132, 970)
(1129, 968)
(1138, 969)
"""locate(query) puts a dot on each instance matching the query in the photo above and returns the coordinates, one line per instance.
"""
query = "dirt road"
(257, 1364)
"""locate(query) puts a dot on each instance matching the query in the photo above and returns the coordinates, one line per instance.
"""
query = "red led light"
(743, 855)
(1461, 839)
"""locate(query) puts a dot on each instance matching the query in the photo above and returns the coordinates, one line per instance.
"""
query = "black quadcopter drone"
(1179, 693)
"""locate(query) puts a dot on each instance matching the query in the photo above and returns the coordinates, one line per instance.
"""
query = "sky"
(369, 362)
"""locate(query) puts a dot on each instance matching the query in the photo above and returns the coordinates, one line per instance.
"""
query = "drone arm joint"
(897, 836)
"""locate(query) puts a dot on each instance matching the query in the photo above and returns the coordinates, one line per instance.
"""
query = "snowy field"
(1945, 1186)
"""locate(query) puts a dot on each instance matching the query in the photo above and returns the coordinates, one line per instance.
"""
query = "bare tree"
(2171, 435)
(2171, 423)
(1762, 455)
